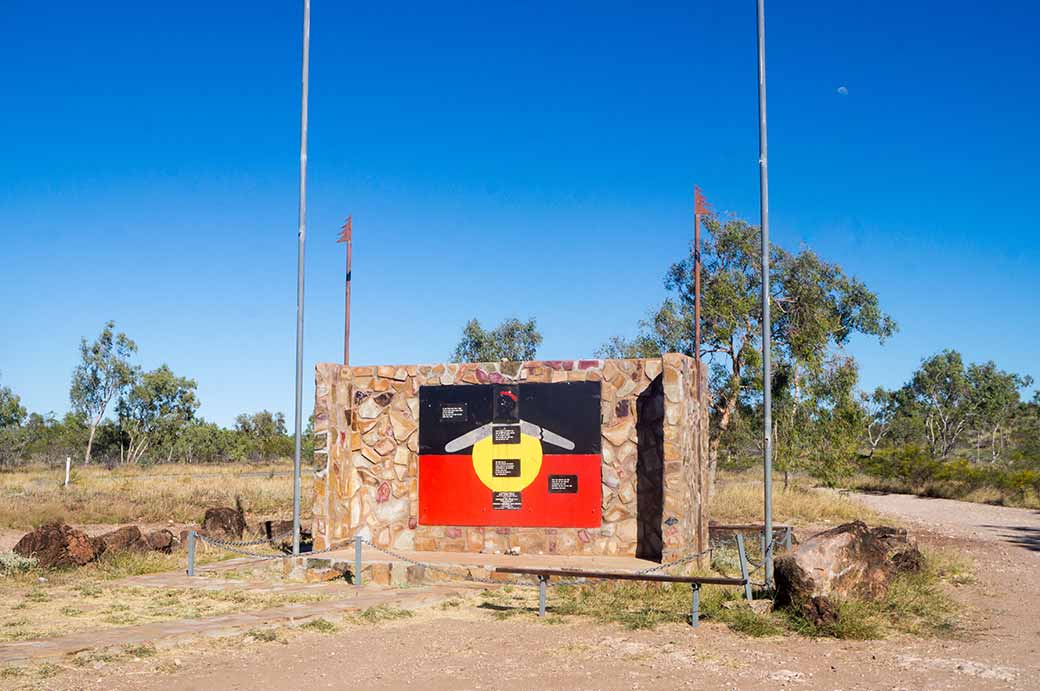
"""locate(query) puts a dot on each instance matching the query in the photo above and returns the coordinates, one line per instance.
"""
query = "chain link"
(233, 547)
(244, 543)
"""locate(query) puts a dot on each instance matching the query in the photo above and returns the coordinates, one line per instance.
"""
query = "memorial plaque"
(505, 501)
(563, 484)
(454, 411)
(505, 467)
(506, 434)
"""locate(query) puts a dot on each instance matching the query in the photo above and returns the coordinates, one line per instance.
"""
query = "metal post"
(68, 468)
(357, 560)
(744, 566)
(191, 552)
(301, 241)
(346, 309)
(543, 581)
(767, 396)
(695, 605)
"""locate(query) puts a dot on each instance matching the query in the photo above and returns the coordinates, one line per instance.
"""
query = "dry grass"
(90, 598)
(32, 496)
(738, 499)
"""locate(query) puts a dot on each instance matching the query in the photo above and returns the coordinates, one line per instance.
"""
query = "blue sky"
(531, 160)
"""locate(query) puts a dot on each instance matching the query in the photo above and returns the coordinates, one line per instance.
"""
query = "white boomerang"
(528, 428)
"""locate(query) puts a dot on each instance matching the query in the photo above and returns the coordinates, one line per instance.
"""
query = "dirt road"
(466, 647)
(1020, 527)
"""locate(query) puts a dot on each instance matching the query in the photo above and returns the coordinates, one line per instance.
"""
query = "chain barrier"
(244, 543)
(234, 547)
(227, 546)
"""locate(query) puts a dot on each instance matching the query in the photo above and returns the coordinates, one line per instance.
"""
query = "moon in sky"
(843, 90)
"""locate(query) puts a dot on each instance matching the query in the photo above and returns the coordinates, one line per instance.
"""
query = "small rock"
(224, 522)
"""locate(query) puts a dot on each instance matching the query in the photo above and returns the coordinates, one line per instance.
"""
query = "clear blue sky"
(531, 160)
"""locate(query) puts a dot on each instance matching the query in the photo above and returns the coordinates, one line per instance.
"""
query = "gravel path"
(1020, 527)
(466, 647)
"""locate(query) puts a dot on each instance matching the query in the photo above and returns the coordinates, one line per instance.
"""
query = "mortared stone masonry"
(653, 468)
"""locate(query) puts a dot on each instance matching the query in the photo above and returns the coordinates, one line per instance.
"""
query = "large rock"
(224, 522)
(128, 537)
(851, 561)
(57, 545)
(161, 540)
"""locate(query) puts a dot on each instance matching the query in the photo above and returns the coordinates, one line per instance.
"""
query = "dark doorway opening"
(650, 471)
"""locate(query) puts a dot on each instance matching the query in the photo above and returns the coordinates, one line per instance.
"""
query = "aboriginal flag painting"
(522, 455)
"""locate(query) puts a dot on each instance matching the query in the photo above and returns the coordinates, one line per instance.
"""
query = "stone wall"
(654, 457)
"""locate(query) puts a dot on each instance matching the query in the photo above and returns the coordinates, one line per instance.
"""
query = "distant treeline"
(153, 418)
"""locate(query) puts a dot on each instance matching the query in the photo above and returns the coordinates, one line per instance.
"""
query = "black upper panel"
(569, 409)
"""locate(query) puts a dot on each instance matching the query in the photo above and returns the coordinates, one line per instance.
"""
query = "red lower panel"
(450, 493)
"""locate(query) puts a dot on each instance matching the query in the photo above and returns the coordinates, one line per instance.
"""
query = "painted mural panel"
(518, 455)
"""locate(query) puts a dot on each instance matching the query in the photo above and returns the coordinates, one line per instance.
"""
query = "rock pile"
(56, 545)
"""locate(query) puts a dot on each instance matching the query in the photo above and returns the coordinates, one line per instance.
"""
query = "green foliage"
(512, 340)
(816, 309)
(818, 418)
(12, 563)
(103, 372)
(381, 613)
(264, 435)
(320, 625)
(914, 470)
(11, 411)
(156, 404)
(948, 405)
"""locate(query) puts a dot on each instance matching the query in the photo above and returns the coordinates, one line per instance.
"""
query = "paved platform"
(410, 567)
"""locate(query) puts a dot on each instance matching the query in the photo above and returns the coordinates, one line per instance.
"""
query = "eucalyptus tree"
(157, 404)
(817, 307)
(512, 340)
(103, 372)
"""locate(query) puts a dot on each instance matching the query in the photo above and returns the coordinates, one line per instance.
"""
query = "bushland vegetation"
(955, 429)
(121, 414)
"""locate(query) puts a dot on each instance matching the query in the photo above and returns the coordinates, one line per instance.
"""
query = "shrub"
(11, 563)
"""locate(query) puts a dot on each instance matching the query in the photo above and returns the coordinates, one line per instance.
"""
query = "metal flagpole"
(301, 241)
(767, 394)
(347, 235)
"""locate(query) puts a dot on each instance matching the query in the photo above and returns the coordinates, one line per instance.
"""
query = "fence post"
(542, 583)
(744, 566)
(191, 552)
(787, 539)
(357, 560)
(695, 605)
(68, 467)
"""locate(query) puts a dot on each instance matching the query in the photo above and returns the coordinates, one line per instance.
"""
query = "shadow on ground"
(1021, 535)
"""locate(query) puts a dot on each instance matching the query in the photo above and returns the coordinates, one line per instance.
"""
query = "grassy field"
(32, 496)
(738, 498)
(43, 604)
(917, 604)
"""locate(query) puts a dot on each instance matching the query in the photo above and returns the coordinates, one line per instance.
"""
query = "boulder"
(161, 540)
(851, 561)
(224, 522)
(56, 545)
(275, 530)
(128, 537)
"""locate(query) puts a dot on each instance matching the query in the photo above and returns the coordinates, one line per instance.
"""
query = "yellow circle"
(528, 453)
